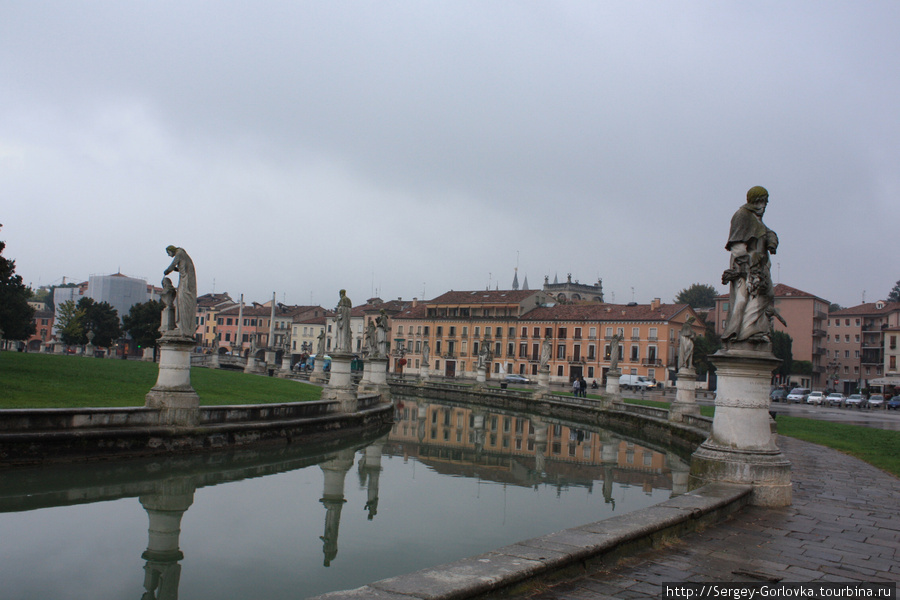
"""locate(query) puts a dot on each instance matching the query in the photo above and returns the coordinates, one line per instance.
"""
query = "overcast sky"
(408, 148)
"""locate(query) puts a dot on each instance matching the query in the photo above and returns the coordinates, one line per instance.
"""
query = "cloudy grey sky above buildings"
(408, 148)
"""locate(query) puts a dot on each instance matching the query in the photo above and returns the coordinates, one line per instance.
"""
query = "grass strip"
(29, 380)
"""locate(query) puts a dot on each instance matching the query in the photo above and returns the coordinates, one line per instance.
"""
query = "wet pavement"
(843, 526)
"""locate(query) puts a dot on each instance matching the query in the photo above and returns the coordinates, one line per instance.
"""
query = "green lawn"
(30, 380)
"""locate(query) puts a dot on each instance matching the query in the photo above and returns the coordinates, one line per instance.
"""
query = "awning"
(885, 381)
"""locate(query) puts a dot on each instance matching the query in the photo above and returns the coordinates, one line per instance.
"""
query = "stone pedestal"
(214, 359)
(480, 377)
(286, 360)
(165, 510)
(612, 385)
(335, 472)
(685, 398)
(173, 395)
(374, 379)
(318, 372)
(147, 355)
(340, 386)
(543, 380)
(741, 446)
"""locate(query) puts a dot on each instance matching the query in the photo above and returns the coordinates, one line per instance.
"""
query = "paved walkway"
(843, 525)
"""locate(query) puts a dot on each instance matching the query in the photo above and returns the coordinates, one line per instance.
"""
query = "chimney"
(415, 302)
(655, 304)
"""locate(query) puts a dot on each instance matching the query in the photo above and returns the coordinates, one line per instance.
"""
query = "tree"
(782, 347)
(142, 323)
(894, 295)
(704, 346)
(102, 319)
(69, 322)
(699, 295)
(16, 316)
(834, 307)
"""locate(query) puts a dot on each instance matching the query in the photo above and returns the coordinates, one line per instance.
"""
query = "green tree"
(142, 323)
(782, 347)
(834, 307)
(894, 295)
(802, 367)
(69, 322)
(698, 295)
(16, 316)
(102, 319)
(704, 346)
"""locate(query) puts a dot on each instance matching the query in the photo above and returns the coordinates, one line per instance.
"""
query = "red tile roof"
(483, 297)
(604, 312)
(869, 308)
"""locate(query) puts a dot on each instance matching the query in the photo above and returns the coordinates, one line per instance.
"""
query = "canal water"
(445, 482)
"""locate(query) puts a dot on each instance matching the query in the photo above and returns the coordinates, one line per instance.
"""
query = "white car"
(875, 401)
(857, 400)
(835, 399)
(816, 398)
(798, 395)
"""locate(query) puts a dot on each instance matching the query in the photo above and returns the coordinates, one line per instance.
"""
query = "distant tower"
(525, 284)
(515, 283)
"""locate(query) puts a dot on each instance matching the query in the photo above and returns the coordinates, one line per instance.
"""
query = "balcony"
(820, 351)
(650, 362)
(818, 333)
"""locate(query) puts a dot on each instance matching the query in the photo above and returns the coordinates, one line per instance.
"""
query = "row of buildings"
(848, 349)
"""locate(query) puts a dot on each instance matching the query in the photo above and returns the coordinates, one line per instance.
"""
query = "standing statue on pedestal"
(320, 345)
(186, 294)
(545, 352)
(614, 351)
(752, 295)
(342, 341)
(381, 333)
(371, 346)
(426, 354)
(686, 345)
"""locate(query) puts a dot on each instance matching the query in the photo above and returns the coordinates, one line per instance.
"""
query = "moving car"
(816, 398)
(857, 400)
(518, 379)
(637, 382)
(798, 395)
(894, 403)
(835, 399)
(876, 401)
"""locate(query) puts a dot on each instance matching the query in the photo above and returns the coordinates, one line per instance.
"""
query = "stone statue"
(371, 346)
(426, 354)
(186, 294)
(342, 339)
(381, 333)
(320, 344)
(614, 351)
(546, 349)
(752, 295)
(482, 356)
(167, 296)
(686, 345)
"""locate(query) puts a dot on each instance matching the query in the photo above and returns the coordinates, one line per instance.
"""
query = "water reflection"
(460, 446)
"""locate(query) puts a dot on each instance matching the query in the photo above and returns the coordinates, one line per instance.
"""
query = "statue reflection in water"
(165, 507)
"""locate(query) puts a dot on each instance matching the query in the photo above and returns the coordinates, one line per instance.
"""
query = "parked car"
(517, 379)
(875, 401)
(778, 395)
(816, 398)
(835, 399)
(798, 395)
(857, 400)
(894, 403)
(637, 382)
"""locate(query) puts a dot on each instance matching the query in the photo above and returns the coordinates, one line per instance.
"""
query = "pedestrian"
(582, 385)
(576, 387)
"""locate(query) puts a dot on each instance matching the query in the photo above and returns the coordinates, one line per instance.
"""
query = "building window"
(608, 333)
(635, 333)
(400, 330)
(635, 353)
(653, 333)
(439, 330)
(561, 351)
(559, 371)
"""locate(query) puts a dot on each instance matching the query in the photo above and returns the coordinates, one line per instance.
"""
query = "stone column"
(480, 377)
(286, 359)
(543, 381)
(165, 509)
(741, 446)
(370, 474)
(335, 471)
(173, 395)
(685, 398)
(375, 377)
(340, 386)
(214, 358)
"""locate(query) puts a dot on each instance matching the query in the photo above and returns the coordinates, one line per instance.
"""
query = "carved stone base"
(741, 446)
(318, 372)
(612, 385)
(173, 395)
(340, 386)
(685, 397)
(374, 379)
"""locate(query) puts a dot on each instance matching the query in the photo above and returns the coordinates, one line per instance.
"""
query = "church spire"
(515, 283)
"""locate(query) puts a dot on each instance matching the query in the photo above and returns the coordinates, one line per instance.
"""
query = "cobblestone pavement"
(843, 525)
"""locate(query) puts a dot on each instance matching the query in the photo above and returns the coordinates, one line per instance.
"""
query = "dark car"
(894, 403)
(778, 395)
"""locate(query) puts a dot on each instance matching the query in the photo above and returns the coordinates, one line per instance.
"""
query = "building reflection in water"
(528, 450)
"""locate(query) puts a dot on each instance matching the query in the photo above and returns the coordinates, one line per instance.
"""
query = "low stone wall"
(34, 436)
